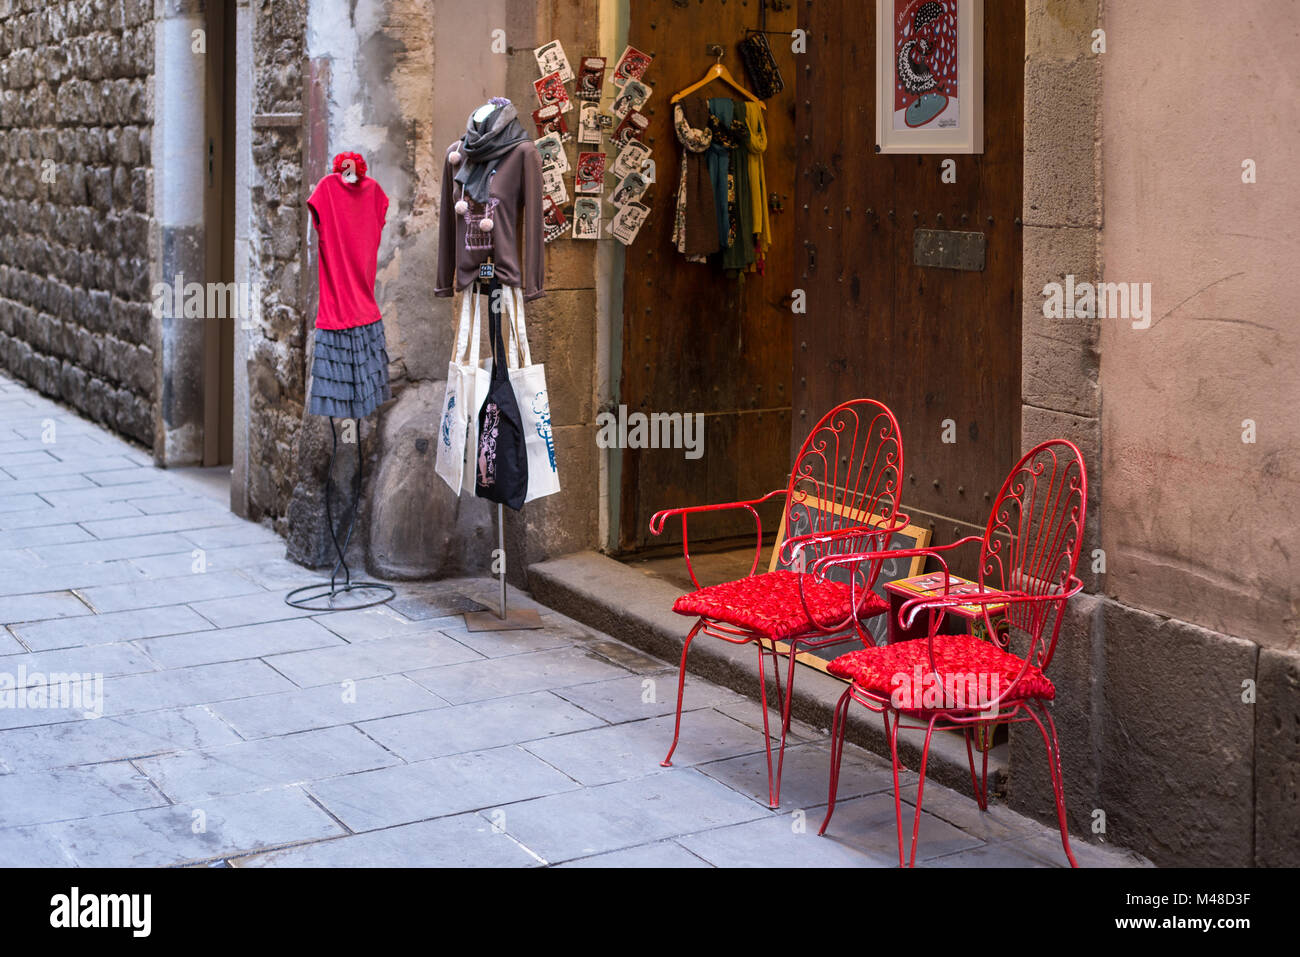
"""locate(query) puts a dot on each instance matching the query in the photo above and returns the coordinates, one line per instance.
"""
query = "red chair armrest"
(658, 518)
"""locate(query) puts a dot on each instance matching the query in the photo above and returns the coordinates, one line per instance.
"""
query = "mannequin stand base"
(516, 619)
(328, 596)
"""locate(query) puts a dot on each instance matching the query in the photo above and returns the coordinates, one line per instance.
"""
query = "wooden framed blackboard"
(815, 514)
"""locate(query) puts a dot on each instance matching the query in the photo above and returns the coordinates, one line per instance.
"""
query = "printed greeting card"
(551, 59)
(590, 175)
(631, 65)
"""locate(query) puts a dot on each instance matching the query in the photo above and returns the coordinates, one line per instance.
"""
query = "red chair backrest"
(848, 472)
(1032, 541)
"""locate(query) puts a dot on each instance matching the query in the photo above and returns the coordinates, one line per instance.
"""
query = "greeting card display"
(551, 92)
(631, 65)
(630, 190)
(553, 222)
(634, 96)
(632, 128)
(551, 59)
(630, 160)
(627, 222)
(549, 119)
(586, 217)
(591, 78)
(590, 175)
(551, 149)
(589, 128)
(553, 183)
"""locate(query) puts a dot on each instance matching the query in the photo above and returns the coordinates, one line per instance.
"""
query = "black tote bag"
(502, 472)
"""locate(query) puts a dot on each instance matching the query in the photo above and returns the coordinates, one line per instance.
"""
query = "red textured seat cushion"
(769, 604)
(894, 667)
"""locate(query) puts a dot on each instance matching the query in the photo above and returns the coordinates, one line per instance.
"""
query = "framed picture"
(815, 513)
(930, 76)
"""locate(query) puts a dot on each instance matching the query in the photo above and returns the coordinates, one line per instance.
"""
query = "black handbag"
(502, 471)
(764, 74)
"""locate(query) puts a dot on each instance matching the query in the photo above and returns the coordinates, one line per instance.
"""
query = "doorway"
(694, 340)
(219, 234)
(939, 346)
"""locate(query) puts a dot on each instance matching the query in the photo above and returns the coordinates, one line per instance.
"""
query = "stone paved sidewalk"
(237, 729)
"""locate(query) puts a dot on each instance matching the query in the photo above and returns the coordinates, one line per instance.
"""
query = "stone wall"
(76, 205)
(1178, 678)
(276, 341)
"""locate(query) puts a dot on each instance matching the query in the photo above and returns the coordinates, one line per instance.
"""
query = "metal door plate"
(949, 249)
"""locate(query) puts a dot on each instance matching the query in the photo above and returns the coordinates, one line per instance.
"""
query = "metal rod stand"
(311, 597)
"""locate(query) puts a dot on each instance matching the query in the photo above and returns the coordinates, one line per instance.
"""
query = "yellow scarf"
(757, 178)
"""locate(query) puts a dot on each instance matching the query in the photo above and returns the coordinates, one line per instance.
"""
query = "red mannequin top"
(349, 218)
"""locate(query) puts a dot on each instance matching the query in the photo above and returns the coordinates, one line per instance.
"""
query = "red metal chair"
(843, 494)
(1028, 556)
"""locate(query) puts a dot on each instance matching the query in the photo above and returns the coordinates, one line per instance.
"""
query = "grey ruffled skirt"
(349, 371)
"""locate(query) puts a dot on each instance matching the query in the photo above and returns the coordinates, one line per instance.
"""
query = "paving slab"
(227, 536)
(32, 846)
(106, 660)
(499, 677)
(233, 644)
(196, 776)
(108, 739)
(34, 580)
(869, 825)
(142, 524)
(439, 787)
(211, 830)
(635, 697)
(479, 726)
(41, 607)
(102, 629)
(368, 659)
(371, 624)
(805, 775)
(39, 797)
(324, 706)
(184, 589)
(202, 684)
(248, 610)
(662, 855)
(181, 559)
(616, 816)
(636, 748)
(464, 840)
(98, 550)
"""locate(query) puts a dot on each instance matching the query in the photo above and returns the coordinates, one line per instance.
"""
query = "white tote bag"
(528, 381)
(466, 383)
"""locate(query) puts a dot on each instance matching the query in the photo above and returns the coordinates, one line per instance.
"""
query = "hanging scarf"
(738, 252)
(695, 227)
(721, 123)
(484, 142)
(762, 217)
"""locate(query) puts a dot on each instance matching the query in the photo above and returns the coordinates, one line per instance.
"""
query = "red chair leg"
(837, 752)
(891, 732)
(667, 762)
(767, 737)
(981, 793)
(920, 788)
(1054, 765)
(785, 713)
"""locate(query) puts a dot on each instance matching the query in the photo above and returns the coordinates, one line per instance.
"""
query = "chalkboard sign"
(814, 514)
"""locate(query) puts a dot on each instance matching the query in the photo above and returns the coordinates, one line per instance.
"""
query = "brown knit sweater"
(518, 186)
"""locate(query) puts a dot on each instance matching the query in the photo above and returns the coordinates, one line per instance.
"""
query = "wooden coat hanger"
(717, 72)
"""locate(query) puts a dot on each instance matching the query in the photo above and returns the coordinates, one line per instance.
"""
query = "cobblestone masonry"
(276, 355)
(75, 205)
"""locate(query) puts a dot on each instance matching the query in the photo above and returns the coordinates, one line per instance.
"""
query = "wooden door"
(693, 340)
(933, 344)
